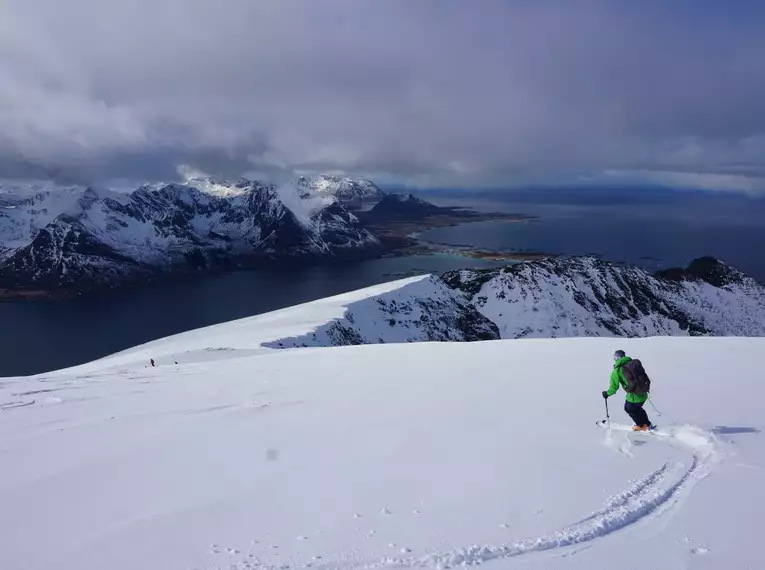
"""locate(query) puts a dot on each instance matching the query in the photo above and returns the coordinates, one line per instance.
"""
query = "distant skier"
(630, 375)
(152, 361)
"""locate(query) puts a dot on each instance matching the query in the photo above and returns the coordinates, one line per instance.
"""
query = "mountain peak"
(351, 192)
(220, 187)
(708, 269)
(714, 271)
(403, 205)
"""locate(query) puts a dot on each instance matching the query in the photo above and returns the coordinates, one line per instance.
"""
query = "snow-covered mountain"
(541, 299)
(574, 297)
(81, 238)
(352, 193)
(586, 296)
(229, 454)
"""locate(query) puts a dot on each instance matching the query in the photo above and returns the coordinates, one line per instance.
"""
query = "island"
(398, 220)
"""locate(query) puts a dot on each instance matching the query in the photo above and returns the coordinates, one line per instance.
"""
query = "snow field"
(416, 455)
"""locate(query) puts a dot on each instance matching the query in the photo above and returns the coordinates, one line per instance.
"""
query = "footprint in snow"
(701, 550)
(385, 511)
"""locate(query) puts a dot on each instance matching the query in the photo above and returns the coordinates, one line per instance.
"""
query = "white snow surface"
(409, 455)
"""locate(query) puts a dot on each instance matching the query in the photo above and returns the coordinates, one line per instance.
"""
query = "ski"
(624, 427)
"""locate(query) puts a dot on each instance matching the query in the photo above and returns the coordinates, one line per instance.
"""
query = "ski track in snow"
(653, 495)
(16, 404)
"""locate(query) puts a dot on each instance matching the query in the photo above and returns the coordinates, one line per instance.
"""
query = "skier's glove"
(605, 395)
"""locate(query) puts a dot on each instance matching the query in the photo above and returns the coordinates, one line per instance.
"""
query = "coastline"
(402, 237)
(22, 294)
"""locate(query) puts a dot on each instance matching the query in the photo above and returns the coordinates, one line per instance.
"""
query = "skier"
(635, 382)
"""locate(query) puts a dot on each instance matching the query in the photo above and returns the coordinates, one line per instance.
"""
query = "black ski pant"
(637, 413)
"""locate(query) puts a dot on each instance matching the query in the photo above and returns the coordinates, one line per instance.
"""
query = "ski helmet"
(619, 354)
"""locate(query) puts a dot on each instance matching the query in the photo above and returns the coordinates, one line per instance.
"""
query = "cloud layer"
(463, 93)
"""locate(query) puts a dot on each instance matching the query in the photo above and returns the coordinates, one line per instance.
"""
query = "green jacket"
(617, 378)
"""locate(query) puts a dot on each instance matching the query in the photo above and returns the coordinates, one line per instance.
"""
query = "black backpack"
(638, 381)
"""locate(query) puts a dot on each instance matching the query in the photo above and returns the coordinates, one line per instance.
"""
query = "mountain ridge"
(554, 298)
(88, 238)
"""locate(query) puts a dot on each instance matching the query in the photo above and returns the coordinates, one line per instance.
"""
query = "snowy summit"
(215, 449)
(352, 193)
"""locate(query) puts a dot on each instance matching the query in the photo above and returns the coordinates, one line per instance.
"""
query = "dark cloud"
(427, 92)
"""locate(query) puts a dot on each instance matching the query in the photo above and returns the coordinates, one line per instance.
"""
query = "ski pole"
(658, 413)
(608, 418)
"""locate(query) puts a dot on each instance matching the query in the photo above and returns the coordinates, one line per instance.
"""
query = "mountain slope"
(420, 310)
(87, 238)
(433, 455)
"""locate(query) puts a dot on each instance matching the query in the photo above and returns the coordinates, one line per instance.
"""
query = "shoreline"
(22, 294)
(402, 237)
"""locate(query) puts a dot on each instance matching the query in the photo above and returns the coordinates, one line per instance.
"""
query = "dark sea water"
(652, 235)
(652, 229)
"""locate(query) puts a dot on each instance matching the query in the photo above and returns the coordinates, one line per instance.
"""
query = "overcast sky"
(430, 93)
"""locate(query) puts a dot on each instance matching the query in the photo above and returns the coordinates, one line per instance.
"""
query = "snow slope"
(410, 455)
